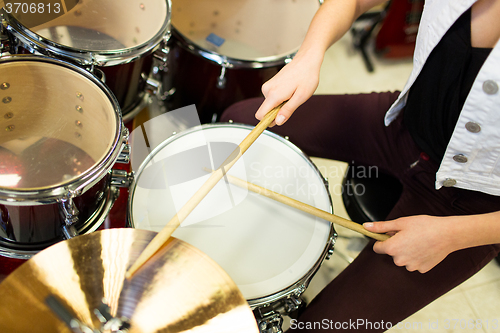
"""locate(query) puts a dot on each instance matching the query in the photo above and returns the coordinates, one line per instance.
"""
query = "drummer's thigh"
(341, 127)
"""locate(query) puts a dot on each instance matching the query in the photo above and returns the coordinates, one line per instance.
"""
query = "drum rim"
(103, 58)
(299, 286)
(73, 188)
(230, 62)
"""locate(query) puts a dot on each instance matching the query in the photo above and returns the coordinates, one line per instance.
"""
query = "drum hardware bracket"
(124, 156)
(167, 94)
(108, 322)
(4, 39)
(162, 56)
(166, 37)
(269, 322)
(331, 246)
(294, 302)
(155, 87)
(121, 178)
(214, 118)
(64, 315)
(69, 211)
(99, 73)
(69, 231)
(221, 80)
(92, 67)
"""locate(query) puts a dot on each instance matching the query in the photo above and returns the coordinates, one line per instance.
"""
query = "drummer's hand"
(418, 242)
(296, 82)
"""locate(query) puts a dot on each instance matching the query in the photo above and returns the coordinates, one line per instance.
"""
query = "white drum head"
(242, 29)
(263, 245)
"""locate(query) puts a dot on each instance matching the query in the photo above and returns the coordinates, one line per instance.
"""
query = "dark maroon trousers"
(373, 289)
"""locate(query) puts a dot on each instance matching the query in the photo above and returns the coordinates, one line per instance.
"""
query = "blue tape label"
(216, 40)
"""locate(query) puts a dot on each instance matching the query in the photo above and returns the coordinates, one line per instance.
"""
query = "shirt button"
(490, 87)
(473, 127)
(424, 156)
(460, 158)
(449, 182)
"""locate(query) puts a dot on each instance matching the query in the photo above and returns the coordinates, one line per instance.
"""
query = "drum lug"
(98, 73)
(4, 39)
(269, 322)
(124, 156)
(69, 231)
(325, 181)
(92, 66)
(167, 94)
(160, 65)
(294, 302)
(221, 80)
(125, 134)
(69, 211)
(162, 56)
(331, 246)
(108, 322)
(166, 37)
(121, 178)
(153, 86)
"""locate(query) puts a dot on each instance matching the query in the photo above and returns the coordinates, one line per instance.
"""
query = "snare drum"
(114, 40)
(270, 250)
(61, 133)
(223, 51)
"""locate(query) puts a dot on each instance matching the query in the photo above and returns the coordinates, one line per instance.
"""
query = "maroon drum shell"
(128, 82)
(195, 81)
(39, 226)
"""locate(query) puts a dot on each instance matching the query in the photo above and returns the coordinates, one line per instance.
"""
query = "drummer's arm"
(297, 81)
(421, 242)
(333, 19)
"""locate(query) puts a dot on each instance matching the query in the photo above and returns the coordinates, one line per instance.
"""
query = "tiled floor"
(473, 306)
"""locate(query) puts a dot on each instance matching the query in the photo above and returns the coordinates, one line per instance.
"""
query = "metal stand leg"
(361, 36)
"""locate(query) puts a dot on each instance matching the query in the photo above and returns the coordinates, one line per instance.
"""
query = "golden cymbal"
(182, 290)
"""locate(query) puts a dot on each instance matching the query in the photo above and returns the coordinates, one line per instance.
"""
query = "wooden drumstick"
(305, 208)
(162, 237)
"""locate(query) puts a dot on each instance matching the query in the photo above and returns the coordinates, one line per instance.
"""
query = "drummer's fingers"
(271, 101)
(286, 110)
(267, 86)
(289, 107)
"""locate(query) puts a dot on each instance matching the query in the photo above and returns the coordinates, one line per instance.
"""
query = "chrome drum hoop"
(53, 194)
(36, 43)
(229, 62)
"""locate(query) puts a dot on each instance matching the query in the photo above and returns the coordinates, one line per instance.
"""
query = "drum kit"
(74, 216)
